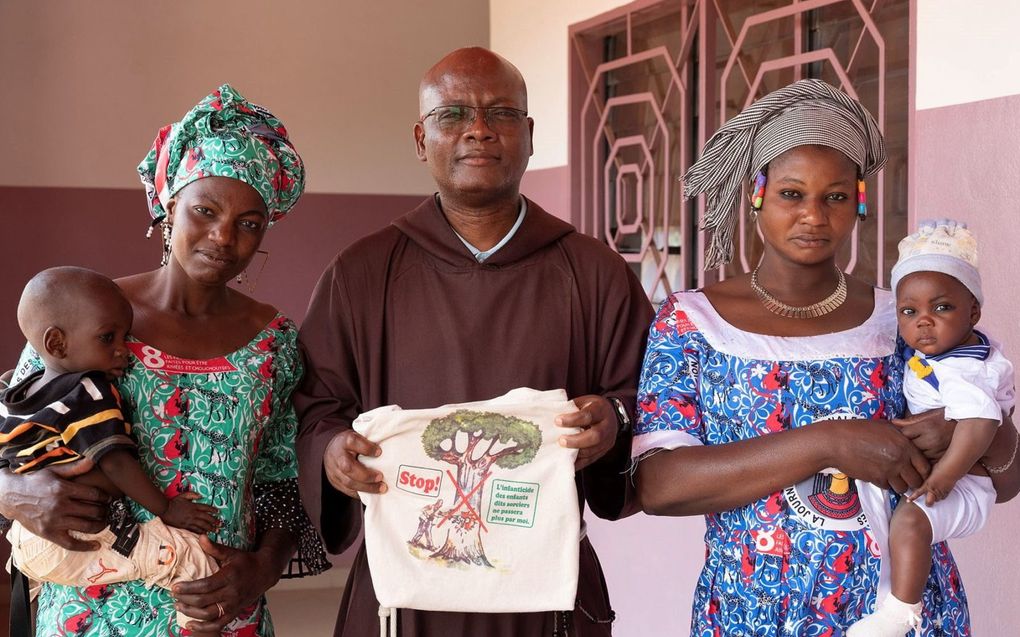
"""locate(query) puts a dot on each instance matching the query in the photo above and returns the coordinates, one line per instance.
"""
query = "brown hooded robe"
(408, 316)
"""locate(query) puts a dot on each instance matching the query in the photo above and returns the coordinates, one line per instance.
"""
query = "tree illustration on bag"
(474, 441)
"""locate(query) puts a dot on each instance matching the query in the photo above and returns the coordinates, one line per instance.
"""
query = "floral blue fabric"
(801, 562)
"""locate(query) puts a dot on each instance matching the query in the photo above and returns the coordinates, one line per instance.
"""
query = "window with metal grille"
(651, 81)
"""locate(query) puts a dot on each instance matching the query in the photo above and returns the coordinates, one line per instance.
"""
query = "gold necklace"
(821, 308)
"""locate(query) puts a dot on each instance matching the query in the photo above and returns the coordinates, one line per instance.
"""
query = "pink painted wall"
(549, 188)
(967, 160)
(86, 85)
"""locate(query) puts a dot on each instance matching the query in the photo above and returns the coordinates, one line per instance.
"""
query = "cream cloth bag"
(481, 510)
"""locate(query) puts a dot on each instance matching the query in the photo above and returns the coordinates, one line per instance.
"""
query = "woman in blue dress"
(764, 397)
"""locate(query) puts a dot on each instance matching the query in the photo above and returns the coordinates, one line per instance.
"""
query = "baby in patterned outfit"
(949, 365)
(67, 418)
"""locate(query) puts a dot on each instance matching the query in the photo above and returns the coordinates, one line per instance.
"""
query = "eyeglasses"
(456, 118)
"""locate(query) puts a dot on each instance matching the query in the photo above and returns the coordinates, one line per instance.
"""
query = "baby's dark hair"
(57, 297)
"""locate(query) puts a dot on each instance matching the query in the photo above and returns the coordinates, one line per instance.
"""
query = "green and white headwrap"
(805, 112)
(224, 135)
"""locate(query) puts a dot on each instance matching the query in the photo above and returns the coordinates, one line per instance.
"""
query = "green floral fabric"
(219, 428)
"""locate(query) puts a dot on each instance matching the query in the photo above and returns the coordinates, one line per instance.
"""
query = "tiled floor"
(304, 613)
(307, 607)
(309, 613)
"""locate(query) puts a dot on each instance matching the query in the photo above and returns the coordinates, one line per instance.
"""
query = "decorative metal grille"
(650, 83)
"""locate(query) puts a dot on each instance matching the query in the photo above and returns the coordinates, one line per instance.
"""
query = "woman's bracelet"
(1009, 463)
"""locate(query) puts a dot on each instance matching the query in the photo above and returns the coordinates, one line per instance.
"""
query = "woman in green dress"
(207, 392)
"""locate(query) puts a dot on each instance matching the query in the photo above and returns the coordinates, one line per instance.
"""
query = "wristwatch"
(626, 426)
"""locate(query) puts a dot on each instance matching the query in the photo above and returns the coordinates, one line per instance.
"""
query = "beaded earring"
(862, 200)
(167, 231)
(758, 195)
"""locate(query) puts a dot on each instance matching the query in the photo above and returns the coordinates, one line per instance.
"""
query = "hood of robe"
(427, 226)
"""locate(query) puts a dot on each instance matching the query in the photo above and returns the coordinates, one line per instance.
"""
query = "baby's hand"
(182, 513)
(934, 489)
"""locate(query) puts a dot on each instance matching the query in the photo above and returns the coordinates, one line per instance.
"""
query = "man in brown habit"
(473, 293)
